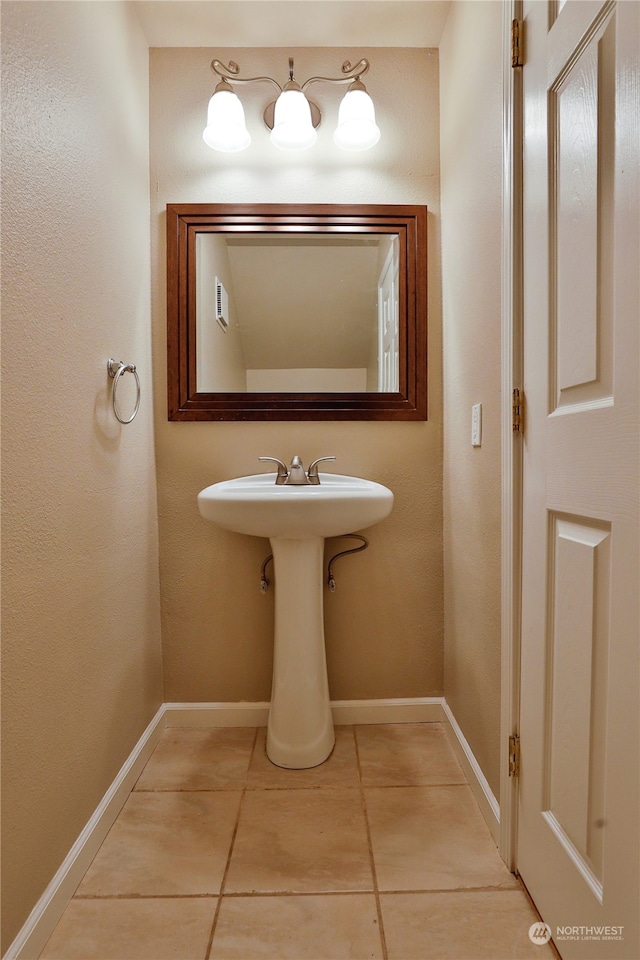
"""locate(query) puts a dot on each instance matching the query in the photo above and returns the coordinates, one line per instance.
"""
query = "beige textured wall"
(81, 650)
(471, 144)
(384, 624)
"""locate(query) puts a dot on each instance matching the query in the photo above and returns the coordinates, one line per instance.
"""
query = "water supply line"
(264, 580)
(331, 583)
(364, 543)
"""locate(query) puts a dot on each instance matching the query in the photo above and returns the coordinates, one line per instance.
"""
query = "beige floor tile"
(429, 838)
(406, 754)
(165, 843)
(300, 841)
(334, 927)
(488, 925)
(163, 929)
(196, 759)
(339, 770)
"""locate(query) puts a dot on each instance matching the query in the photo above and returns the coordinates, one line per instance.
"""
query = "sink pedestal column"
(300, 732)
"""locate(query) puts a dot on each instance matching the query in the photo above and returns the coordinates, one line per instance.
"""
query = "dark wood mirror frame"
(185, 221)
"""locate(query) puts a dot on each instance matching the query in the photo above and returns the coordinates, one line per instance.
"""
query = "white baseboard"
(42, 920)
(242, 714)
(416, 710)
(47, 912)
(246, 714)
(489, 806)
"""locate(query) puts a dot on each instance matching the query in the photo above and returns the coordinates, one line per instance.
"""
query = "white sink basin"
(296, 519)
(259, 507)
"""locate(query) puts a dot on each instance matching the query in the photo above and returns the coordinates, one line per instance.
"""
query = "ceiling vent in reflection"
(222, 305)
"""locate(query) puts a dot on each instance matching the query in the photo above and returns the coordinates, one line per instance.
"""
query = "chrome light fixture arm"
(230, 73)
(350, 74)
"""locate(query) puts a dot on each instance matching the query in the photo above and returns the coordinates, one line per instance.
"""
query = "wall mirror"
(294, 312)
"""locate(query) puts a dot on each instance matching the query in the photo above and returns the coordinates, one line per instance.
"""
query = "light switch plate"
(476, 425)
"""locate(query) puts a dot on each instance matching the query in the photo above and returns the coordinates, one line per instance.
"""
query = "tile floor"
(380, 852)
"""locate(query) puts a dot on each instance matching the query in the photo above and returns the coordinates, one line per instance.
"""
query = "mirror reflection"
(299, 313)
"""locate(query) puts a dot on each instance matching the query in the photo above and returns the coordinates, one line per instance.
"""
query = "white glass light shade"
(356, 128)
(292, 126)
(226, 130)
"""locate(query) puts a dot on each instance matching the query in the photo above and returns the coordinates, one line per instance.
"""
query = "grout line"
(296, 893)
(231, 846)
(231, 788)
(376, 892)
(427, 890)
(314, 786)
(228, 789)
(146, 896)
(411, 786)
(235, 789)
(274, 894)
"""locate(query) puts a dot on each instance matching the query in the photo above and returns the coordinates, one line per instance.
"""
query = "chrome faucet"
(296, 474)
(312, 472)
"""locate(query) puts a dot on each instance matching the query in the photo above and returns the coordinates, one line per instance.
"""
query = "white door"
(388, 334)
(579, 805)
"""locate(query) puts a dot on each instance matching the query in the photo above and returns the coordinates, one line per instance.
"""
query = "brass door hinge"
(517, 411)
(514, 755)
(517, 47)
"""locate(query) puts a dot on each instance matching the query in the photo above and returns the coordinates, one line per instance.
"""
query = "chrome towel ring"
(115, 369)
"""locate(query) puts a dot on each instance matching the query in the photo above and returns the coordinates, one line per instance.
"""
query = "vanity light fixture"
(292, 118)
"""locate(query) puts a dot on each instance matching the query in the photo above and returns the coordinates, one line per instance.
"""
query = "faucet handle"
(312, 472)
(282, 474)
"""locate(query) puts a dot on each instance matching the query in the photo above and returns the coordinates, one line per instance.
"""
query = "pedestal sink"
(296, 519)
